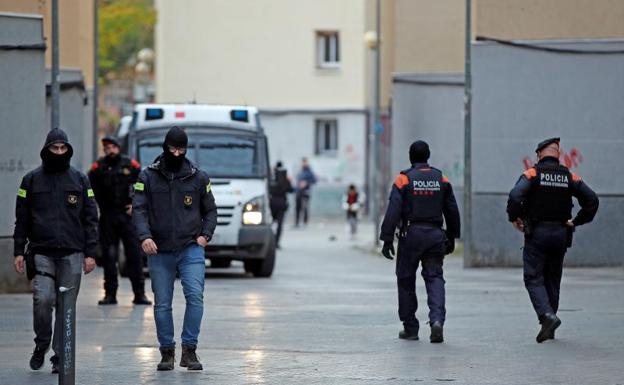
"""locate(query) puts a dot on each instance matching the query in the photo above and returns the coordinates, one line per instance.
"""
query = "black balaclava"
(52, 162)
(176, 137)
(419, 152)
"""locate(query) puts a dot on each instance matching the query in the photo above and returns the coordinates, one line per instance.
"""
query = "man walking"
(56, 229)
(280, 188)
(540, 205)
(420, 199)
(111, 177)
(175, 215)
(305, 180)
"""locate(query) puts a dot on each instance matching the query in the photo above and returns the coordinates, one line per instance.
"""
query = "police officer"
(540, 205)
(420, 199)
(56, 217)
(111, 177)
(175, 215)
(280, 188)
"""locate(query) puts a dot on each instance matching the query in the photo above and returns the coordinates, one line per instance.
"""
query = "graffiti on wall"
(571, 159)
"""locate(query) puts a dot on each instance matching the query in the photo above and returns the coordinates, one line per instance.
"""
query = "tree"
(125, 26)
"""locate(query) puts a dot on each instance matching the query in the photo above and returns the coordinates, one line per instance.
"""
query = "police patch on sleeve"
(90, 193)
(209, 187)
(138, 186)
(21, 193)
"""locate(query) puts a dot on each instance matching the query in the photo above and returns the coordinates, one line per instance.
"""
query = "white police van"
(228, 143)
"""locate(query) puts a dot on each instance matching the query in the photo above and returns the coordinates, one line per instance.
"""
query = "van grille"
(224, 215)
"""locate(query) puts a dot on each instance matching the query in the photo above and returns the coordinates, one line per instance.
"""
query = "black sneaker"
(108, 300)
(168, 359)
(38, 356)
(406, 335)
(141, 299)
(55, 364)
(550, 322)
(189, 358)
(437, 333)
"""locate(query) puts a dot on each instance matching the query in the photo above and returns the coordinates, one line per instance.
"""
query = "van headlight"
(253, 212)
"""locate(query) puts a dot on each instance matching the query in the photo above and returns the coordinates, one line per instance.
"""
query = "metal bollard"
(66, 314)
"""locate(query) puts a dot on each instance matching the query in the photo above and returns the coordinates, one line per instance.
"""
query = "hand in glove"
(449, 244)
(388, 250)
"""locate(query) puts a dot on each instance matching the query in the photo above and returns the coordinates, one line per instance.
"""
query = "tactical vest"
(550, 197)
(424, 195)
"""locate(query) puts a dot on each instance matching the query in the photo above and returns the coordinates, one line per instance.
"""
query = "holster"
(570, 235)
(29, 259)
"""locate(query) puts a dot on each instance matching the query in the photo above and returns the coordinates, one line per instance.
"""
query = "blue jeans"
(189, 262)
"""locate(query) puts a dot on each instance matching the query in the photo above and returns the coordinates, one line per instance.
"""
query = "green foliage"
(125, 26)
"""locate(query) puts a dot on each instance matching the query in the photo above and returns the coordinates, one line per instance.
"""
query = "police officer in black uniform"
(55, 237)
(420, 199)
(540, 205)
(112, 177)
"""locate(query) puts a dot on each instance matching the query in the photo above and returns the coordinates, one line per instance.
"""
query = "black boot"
(189, 359)
(55, 364)
(141, 299)
(408, 335)
(109, 299)
(550, 322)
(168, 359)
(437, 333)
(38, 355)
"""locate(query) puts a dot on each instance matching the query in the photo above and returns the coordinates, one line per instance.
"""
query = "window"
(328, 47)
(326, 136)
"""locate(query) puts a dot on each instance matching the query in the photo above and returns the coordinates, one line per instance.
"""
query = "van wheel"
(262, 267)
(220, 263)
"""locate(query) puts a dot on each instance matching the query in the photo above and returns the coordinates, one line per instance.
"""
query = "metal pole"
(66, 317)
(96, 70)
(468, 137)
(376, 125)
(55, 87)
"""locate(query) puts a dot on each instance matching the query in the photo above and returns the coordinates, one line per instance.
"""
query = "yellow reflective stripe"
(21, 193)
(90, 193)
(139, 186)
(209, 187)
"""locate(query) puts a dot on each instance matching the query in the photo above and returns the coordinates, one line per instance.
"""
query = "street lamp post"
(55, 73)
(468, 136)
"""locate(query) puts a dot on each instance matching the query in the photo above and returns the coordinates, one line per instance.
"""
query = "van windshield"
(220, 155)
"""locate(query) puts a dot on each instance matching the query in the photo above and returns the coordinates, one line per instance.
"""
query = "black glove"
(449, 244)
(388, 250)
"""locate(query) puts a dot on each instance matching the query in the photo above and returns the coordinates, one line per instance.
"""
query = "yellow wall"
(76, 30)
(549, 19)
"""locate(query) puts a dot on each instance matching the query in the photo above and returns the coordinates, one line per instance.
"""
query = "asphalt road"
(328, 316)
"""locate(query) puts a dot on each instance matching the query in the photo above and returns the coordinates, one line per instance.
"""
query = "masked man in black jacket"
(57, 217)
(175, 215)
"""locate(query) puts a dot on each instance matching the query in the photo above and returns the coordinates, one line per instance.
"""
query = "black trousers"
(302, 201)
(424, 246)
(116, 226)
(543, 255)
(278, 218)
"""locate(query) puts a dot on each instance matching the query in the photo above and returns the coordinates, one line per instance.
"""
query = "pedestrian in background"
(351, 203)
(280, 187)
(305, 180)
(175, 215)
(421, 200)
(540, 205)
(55, 237)
(112, 177)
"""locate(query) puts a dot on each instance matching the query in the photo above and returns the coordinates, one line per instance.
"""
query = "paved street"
(328, 316)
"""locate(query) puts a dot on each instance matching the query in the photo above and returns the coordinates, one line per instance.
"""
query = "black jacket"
(518, 196)
(399, 206)
(173, 209)
(55, 211)
(112, 181)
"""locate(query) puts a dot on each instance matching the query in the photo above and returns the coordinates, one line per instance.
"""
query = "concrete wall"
(523, 96)
(22, 107)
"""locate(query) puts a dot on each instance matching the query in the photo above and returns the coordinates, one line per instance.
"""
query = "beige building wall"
(549, 19)
(259, 52)
(76, 31)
